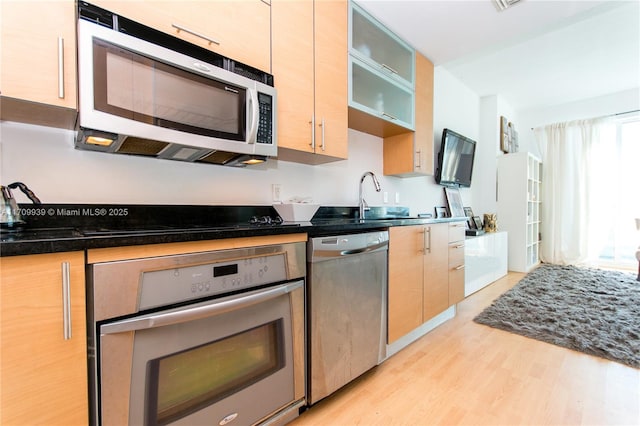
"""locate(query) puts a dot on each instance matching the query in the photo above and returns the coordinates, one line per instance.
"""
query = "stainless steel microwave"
(143, 92)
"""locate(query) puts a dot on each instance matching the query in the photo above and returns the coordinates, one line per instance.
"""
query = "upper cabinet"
(411, 154)
(38, 57)
(381, 77)
(240, 30)
(309, 62)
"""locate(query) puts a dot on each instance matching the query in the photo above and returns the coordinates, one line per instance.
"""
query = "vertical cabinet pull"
(427, 240)
(418, 159)
(313, 132)
(60, 67)
(66, 300)
(322, 140)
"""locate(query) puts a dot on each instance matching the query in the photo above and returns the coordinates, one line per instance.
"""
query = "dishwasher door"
(347, 305)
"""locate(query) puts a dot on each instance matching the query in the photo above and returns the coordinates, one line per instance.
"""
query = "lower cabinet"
(426, 274)
(43, 373)
(456, 262)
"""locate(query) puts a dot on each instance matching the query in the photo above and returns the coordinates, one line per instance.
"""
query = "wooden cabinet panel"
(240, 30)
(293, 70)
(43, 376)
(39, 52)
(405, 280)
(331, 41)
(310, 72)
(456, 262)
(436, 271)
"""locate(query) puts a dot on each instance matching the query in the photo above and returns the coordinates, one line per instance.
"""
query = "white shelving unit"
(519, 179)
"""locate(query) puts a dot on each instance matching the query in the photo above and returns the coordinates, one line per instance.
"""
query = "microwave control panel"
(265, 124)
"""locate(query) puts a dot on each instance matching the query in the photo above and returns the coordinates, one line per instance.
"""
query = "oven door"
(236, 359)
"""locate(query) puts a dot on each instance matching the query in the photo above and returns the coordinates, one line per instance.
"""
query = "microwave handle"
(255, 115)
(216, 308)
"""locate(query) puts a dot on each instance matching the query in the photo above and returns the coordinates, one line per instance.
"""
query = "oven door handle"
(176, 317)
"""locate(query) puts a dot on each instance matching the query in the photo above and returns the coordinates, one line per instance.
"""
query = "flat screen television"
(455, 160)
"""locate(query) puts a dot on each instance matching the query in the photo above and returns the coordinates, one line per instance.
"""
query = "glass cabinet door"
(371, 42)
(374, 94)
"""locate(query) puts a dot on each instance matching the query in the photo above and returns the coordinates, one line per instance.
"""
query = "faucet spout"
(362, 204)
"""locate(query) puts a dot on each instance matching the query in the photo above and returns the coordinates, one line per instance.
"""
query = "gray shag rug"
(588, 310)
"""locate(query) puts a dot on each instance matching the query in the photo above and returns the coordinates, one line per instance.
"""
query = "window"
(618, 203)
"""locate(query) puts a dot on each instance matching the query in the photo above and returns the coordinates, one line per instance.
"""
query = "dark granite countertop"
(53, 228)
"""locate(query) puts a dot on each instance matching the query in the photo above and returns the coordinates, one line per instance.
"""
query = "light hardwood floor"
(463, 373)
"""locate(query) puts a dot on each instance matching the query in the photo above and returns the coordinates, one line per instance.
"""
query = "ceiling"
(536, 53)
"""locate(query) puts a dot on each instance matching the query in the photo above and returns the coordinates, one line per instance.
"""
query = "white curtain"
(573, 202)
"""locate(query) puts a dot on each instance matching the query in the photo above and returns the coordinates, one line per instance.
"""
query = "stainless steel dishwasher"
(346, 308)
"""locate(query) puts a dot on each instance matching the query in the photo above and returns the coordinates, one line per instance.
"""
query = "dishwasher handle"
(325, 254)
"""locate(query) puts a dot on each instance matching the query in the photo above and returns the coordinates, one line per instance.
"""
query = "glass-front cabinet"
(374, 44)
(375, 94)
(381, 77)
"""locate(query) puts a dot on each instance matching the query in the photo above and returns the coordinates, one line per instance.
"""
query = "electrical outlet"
(275, 192)
(385, 197)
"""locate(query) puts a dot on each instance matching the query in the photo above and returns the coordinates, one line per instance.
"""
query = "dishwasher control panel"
(168, 286)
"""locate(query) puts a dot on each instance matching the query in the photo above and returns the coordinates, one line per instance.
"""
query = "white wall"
(457, 107)
(46, 160)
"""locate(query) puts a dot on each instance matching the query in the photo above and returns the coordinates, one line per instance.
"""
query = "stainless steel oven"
(209, 338)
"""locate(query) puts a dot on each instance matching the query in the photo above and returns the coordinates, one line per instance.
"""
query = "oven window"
(187, 381)
(138, 88)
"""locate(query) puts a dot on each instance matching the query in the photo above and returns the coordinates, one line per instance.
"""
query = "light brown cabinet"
(38, 61)
(240, 30)
(411, 153)
(44, 347)
(309, 61)
(422, 281)
(436, 278)
(456, 261)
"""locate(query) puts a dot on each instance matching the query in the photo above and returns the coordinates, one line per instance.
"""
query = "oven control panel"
(168, 286)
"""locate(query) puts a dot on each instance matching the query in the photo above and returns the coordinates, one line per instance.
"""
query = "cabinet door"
(406, 259)
(310, 70)
(43, 375)
(436, 271)
(456, 262)
(38, 52)
(240, 30)
(411, 153)
(331, 81)
(293, 71)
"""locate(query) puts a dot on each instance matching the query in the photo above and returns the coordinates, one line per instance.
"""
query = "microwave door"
(136, 87)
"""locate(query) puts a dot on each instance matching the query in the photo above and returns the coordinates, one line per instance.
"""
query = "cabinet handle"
(457, 268)
(427, 241)
(387, 67)
(313, 132)
(390, 116)
(197, 34)
(459, 246)
(419, 159)
(60, 67)
(66, 301)
(322, 140)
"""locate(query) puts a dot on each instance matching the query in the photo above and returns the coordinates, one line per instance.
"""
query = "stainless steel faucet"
(362, 204)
